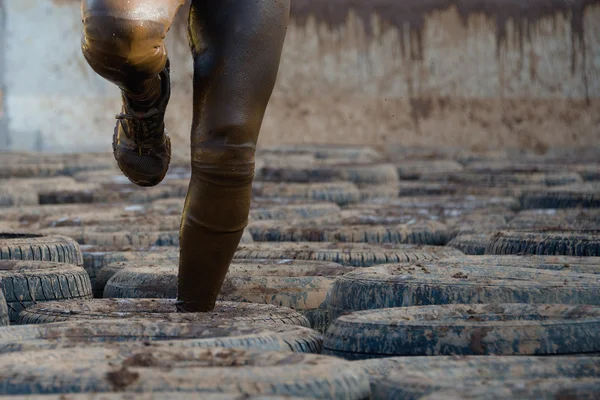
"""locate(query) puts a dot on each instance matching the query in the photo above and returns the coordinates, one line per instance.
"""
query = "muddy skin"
(236, 47)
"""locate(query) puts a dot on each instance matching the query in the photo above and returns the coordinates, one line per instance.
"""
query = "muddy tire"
(585, 195)
(415, 377)
(444, 206)
(4, 318)
(150, 396)
(300, 285)
(323, 151)
(429, 233)
(474, 244)
(348, 254)
(294, 211)
(95, 261)
(415, 169)
(26, 283)
(247, 335)
(546, 243)
(156, 309)
(341, 193)
(357, 173)
(506, 179)
(457, 329)
(430, 283)
(118, 368)
(524, 390)
(575, 220)
(29, 246)
(583, 265)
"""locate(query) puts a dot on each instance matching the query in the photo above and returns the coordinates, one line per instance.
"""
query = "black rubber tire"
(465, 329)
(300, 285)
(575, 220)
(570, 196)
(356, 173)
(415, 377)
(443, 206)
(29, 246)
(4, 318)
(348, 254)
(115, 238)
(583, 265)
(427, 232)
(416, 169)
(505, 179)
(432, 283)
(479, 221)
(473, 244)
(407, 189)
(95, 261)
(323, 151)
(121, 368)
(11, 196)
(247, 335)
(150, 396)
(538, 389)
(156, 309)
(341, 193)
(294, 211)
(26, 283)
(545, 243)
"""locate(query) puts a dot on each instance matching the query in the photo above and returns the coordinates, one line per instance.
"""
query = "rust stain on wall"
(412, 14)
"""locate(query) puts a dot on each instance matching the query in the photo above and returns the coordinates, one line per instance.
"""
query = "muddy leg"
(237, 48)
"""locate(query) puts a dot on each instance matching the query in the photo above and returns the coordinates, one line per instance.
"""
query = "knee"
(225, 158)
(111, 45)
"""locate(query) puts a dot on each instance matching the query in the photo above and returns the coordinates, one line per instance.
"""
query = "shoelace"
(145, 123)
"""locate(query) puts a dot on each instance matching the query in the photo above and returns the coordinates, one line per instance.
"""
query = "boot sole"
(143, 183)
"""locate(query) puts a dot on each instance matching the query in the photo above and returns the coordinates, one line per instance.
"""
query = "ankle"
(145, 101)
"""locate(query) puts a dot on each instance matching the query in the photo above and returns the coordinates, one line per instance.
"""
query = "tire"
(479, 221)
(341, 193)
(116, 238)
(575, 220)
(15, 197)
(156, 309)
(95, 261)
(294, 211)
(416, 169)
(505, 179)
(356, 173)
(524, 390)
(300, 285)
(26, 283)
(430, 233)
(432, 283)
(444, 206)
(580, 265)
(29, 246)
(586, 195)
(121, 368)
(324, 152)
(546, 243)
(474, 244)
(348, 254)
(139, 333)
(4, 318)
(415, 377)
(149, 396)
(457, 329)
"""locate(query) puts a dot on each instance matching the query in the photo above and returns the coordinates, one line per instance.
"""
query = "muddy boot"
(140, 142)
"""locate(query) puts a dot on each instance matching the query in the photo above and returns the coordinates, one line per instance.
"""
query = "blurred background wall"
(474, 73)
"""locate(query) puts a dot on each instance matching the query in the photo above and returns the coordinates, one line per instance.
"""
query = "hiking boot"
(140, 142)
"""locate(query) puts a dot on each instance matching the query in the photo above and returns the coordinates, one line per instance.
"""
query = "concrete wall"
(4, 137)
(476, 73)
